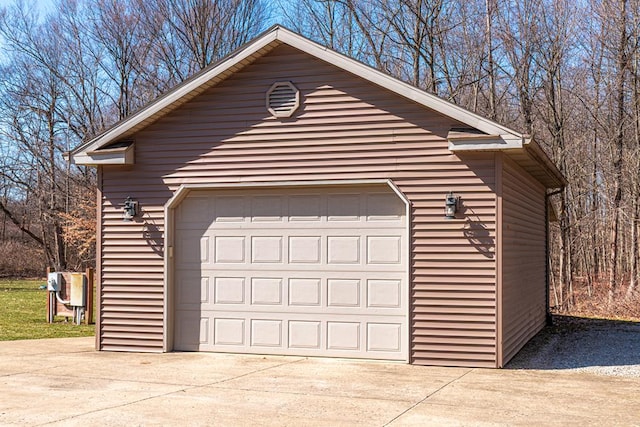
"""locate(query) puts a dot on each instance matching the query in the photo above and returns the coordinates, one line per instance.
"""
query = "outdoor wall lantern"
(130, 209)
(451, 205)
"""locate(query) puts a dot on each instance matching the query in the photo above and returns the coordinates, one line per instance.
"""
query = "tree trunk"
(633, 280)
(565, 253)
(618, 151)
(490, 65)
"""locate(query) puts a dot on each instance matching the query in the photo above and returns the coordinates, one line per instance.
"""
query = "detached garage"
(290, 200)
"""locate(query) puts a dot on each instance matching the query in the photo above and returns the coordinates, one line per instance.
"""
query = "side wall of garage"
(346, 128)
(523, 259)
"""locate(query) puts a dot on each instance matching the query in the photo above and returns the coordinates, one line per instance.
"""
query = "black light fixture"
(451, 205)
(130, 209)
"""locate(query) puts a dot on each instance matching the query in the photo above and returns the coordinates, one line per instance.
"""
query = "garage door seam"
(428, 396)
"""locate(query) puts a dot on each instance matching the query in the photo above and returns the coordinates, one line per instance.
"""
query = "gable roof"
(493, 136)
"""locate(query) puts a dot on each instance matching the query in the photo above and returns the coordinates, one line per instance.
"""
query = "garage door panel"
(343, 336)
(304, 291)
(267, 209)
(384, 249)
(229, 290)
(343, 249)
(191, 296)
(196, 211)
(305, 249)
(266, 291)
(230, 209)
(384, 208)
(342, 293)
(384, 337)
(193, 331)
(305, 208)
(229, 331)
(356, 312)
(231, 249)
(343, 207)
(384, 294)
(305, 335)
(267, 249)
(266, 333)
(193, 249)
(289, 224)
(341, 268)
(293, 272)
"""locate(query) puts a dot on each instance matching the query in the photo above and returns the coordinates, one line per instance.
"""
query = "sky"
(44, 5)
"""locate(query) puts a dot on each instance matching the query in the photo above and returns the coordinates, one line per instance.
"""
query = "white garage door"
(315, 271)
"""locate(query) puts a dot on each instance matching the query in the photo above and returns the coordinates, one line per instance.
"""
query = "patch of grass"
(23, 314)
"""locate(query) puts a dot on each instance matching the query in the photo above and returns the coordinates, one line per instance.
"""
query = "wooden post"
(49, 316)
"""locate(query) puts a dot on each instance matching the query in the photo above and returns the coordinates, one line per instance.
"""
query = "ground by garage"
(55, 382)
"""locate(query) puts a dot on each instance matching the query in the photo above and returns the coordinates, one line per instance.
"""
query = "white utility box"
(54, 281)
(77, 291)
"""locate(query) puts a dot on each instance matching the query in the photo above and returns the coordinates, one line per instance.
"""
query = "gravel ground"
(602, 347)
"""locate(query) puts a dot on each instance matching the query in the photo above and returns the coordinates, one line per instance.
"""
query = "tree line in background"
(565, 72)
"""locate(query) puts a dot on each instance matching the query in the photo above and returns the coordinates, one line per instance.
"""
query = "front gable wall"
(345, 128)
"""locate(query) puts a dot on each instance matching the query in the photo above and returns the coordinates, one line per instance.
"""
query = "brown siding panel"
(345, 129)
(523, 279)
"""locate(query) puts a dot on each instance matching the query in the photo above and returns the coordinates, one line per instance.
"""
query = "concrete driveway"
(65, 382)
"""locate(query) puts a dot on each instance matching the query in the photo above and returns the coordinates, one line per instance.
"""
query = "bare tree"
(188, 35)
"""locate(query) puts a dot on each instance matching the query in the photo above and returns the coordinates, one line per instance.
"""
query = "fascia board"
(492, 143)
(97, 160)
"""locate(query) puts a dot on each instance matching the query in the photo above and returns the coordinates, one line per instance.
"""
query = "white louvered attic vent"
(283, 99)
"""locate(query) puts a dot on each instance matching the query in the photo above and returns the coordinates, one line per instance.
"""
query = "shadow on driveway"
(608, 347)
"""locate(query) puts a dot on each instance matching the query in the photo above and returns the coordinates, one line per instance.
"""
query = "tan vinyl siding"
(346, 128)
(523, 258)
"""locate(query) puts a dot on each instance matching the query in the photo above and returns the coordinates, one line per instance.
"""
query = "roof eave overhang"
(555, 177)
(466, 141)
(106, 156)
(523, 150)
